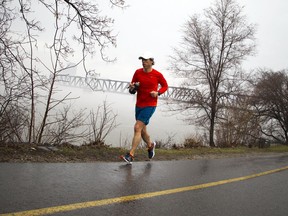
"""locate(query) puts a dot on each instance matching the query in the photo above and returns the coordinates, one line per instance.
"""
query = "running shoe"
(128, 158)
(151, 150)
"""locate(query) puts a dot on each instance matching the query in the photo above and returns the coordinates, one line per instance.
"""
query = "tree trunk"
(212, 118)
(43, 125)
(211, 129)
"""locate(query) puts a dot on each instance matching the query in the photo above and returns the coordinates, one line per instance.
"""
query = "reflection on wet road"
(201, 187)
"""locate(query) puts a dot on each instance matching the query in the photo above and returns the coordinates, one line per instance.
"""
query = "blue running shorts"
(144, 113)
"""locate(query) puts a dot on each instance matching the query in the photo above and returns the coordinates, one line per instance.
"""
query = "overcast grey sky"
(155, 25)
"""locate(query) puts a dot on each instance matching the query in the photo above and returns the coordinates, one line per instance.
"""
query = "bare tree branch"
(212, 51)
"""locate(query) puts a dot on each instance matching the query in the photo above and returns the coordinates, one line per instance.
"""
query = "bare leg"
(138, 127)
(145, 136)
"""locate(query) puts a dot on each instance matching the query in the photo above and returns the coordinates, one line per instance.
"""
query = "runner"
(145, 82)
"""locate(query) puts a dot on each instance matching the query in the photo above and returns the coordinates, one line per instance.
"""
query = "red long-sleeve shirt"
(149, 81)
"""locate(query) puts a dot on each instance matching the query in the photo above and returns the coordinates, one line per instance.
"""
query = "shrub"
(194, 141)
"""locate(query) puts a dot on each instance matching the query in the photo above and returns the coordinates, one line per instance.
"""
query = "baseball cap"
(146, 55)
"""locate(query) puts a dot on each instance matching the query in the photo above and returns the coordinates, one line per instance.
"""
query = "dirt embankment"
(92, 153)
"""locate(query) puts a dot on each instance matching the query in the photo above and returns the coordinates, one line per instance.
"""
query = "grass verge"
(67, 153)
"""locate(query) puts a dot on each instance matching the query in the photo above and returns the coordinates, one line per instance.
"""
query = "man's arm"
(164, 85)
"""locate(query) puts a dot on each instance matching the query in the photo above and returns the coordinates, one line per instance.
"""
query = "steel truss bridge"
(116, 86)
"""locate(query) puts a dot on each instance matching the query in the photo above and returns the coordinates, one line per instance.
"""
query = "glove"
(133, 88)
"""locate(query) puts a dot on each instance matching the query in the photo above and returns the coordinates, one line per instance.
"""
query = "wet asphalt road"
(28, 186)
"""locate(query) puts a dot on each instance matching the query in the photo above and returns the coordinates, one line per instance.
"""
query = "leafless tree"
(210, 56)
(13, 124)
(12, 113)
(27, 77)
(237, 124)
(270, 102)
(66, 126)
(102, 122)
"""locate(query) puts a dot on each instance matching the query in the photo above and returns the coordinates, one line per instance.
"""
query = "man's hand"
(133, 87)
(154, 94)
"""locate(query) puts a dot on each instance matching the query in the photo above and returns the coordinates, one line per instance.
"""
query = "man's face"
(147, 63)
